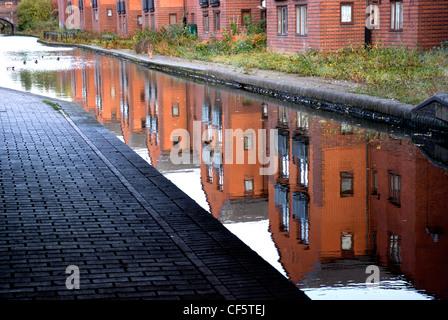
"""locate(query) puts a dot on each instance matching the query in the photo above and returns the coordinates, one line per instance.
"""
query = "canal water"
(345, 209)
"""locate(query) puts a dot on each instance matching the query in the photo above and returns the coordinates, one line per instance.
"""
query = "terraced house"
(125, 17)
(296, 25)
(212, 16)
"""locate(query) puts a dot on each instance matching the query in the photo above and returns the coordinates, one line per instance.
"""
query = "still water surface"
(346, 194)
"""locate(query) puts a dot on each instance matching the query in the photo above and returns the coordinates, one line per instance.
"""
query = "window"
(248, 185)
(173, 18)
(346, 184)
(346, 241)
(148, 5)
(282, 20)
(374, 182)
(302, 20)
(205, 22)
(139, 20)
(396, 15)
(394, 188)
(8, 4)
(175, 110)
(153, 22)
(217, 25)
(109, 12)
(346, 13)
(394, 249)
(248, 141)
(283, 154)
(95, 13)
(245, 17)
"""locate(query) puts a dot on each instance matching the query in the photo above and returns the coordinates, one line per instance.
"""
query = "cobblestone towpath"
(75, 200)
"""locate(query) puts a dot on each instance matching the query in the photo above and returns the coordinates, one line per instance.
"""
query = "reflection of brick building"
(132, 103)
(339, 213)
(408, 218)
(318, 211)
(223, 179)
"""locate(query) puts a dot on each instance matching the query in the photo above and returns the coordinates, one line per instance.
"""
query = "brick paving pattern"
(71, 193)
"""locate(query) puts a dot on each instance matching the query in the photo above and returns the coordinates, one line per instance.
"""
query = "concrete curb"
(355, 105)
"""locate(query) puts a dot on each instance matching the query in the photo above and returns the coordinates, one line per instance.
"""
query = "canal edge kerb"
(359, 106)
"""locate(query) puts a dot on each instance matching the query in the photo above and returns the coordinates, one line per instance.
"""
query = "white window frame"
(302, 20)
(396, 15)
(282, 20)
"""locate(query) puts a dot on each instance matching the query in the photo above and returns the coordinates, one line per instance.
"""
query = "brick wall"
(325, 30)
(104, 21)
(127, 23)
(163, 9)
(85, 16)
(229, 11)
(424, 24)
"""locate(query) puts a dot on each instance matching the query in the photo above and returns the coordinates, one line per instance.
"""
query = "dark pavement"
(72, 194)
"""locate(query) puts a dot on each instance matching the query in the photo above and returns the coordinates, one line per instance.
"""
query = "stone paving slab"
(71, 193)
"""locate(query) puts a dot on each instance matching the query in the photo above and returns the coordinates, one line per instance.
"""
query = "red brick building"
(211, 16)
(297, 25)
(412, 23)
(85, 14)
(159, 13)
(322, 25)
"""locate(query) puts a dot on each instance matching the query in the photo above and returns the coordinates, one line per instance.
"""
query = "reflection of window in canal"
(299, 208)
(98, 85)
(124, 92)
(394, 188)
(300, 151)
(282, 204)
(212, 155)
(151, 105)
(394, 250)
(85, 85)
(300, 212)
(283, 153)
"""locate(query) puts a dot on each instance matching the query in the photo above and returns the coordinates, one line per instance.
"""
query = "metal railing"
(59, 36)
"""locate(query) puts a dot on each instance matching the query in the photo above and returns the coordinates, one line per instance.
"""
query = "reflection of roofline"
(244, 210)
